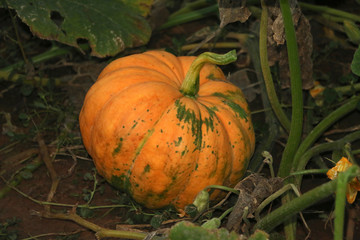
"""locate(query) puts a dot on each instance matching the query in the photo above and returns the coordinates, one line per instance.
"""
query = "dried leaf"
(232, 11)
(277, 51)
(241, 79)
(253, 190)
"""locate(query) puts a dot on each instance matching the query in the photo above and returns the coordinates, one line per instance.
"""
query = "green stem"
(325, 147)
(309, 198)
(226, 213)
(224, 188)
(100, 232)
(270, 199)
(340, 204)
(310, 171)
(266, 143)
(296, 92)
(190, 85)
(349, 89)
(321, 128)
(35, 164)
(190, 16)
(297, 109)
(54, 51)
(222, 45)
(269, 83)
(325, 9)
(18, 39)
(190, 7)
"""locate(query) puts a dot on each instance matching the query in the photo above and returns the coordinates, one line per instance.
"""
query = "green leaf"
(202, 201)
(85, 212)
(355, 65)
(144, 6)
(352, 31)
(259, 235)
(212, 223)
(26, 89)
(88, 176)
(156, 221)
(23, 116)
(109, 26)
(25, 174)
(189, 231)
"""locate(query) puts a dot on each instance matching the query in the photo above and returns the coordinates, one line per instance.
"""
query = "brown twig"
(100, 231)
(17, 159)
(73, 156)
(54, 234)
(346, 130)
(44, 153)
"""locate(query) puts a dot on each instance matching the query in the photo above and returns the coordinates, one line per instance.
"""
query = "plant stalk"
(325, 147)
(297, 109)
(190, 85)
(340, 204)
(333, 11)
(286, 211)
(269, 83)
(320, 129)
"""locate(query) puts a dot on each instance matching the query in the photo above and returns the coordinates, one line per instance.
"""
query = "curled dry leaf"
(252, 191)
(241, 79)
(277, 51)
(232, 11)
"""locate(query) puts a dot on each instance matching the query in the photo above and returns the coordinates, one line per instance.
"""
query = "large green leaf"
(109, 26)
(189, 231)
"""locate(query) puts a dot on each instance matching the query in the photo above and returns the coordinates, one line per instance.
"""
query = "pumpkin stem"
(190, 85)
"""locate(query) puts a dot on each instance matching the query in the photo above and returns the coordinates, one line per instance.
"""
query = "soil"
(58, 127)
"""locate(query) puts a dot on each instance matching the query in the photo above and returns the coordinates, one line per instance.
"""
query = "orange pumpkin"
(163, 127)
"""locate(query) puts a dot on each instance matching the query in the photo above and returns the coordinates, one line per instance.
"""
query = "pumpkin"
(162, 128)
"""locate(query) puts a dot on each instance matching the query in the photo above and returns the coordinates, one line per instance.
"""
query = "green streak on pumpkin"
(121, 182)
(143, 141)
(209, 122)
(188, 116)
(135, 123)
(229, 100)
(118, 147)
(147, 168)
(186, 150)
(177, 143)
(211, 76)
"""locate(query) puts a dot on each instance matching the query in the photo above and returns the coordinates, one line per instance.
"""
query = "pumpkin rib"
(240, 149)
(210, 159)
(140, 60)
(171, 61)
(100, 93)
(232, 97)
(243, 123)
(104, 135)
(158, 179)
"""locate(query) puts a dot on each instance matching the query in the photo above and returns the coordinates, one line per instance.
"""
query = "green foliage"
(5, 233)
(108, 27)
(156, 220)
(352, 31)
(355, 65)
(189, 231)
(85, 212)
(202, 201)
